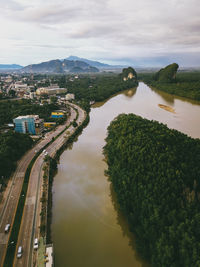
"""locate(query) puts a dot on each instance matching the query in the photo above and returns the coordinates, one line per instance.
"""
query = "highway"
(29, 228)
(11, 195)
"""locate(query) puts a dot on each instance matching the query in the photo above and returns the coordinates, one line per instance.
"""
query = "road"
(9, 203)
(29, 228)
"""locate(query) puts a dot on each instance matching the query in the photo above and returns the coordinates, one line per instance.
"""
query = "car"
(46, 153)
(35, 246)
(7, 228)
(19, 252)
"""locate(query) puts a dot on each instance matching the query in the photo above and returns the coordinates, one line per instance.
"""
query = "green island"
(185, 84)
(155, 173)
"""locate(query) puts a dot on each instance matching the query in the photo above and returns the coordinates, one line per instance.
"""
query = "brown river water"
(88, 229)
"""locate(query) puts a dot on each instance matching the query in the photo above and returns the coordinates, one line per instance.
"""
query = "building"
(49, 124)
(32, 95)
(29, 124)
(69, 97)
(50, 90)
(57, 114)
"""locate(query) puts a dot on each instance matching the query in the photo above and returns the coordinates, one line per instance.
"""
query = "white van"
(19, 252)
(7, 228)
(35, 246)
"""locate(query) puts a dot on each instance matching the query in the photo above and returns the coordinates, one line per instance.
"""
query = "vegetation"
(186, 84)
(97, 88)
(44, 198)
(12, 147)
(23, 107)
(167, 75)
(127, 71)
(52, 172)
(155, 172)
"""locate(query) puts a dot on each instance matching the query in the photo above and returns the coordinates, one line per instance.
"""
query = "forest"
(12, 147)
(11, 109)
(98, 87)
(155, 173)
(186, 84)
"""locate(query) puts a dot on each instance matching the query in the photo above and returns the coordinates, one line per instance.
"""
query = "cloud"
(115, 28)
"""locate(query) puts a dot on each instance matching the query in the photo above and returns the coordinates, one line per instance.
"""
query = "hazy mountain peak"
(92, 63)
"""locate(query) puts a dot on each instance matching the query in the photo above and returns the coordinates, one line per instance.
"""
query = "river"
(87, 228)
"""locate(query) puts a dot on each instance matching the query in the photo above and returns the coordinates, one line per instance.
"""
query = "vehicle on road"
(36, 244)
(19, 252)
(7, 228)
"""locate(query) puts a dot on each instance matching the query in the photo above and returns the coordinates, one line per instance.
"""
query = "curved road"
(29, 228)
(11, 195)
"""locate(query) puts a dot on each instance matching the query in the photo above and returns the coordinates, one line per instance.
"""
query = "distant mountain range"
(10, 66)
(71, 64)
(60, 66)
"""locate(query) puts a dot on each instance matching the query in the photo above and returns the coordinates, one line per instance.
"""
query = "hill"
(167, 74)
(60, 66)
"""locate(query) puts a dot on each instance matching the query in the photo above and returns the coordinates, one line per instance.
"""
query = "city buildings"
(50, 90)
(57, 114)
(70, 96)
(31, 124)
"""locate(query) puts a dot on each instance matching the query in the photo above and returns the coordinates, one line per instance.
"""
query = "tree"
(53, 99)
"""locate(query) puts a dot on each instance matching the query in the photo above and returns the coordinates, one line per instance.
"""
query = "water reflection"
(129, 93)
(169, 99)
(124, 227)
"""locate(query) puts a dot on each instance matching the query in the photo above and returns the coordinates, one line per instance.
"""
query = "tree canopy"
(97, 88)
(167, 74)
(187, 84)
(11, 109)
(12, 147)
(155, 172)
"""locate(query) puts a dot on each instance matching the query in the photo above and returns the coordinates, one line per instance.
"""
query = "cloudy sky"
(142, 32)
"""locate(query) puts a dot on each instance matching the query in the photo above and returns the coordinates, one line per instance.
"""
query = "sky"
(136, 32)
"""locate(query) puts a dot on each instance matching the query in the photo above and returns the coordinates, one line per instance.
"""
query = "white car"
(19, 252)
(35, 246)
(7, 228)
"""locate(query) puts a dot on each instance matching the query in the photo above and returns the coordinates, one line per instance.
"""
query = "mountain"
(60, 66)
(10, 66)
(92, 63)
(167, 74)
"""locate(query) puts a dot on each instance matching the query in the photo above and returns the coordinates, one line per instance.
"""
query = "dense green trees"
(167, 74)
(127, 71)
(12, 147)
(186, 84)
(11, 109)
(97, 88)
(155, 172)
